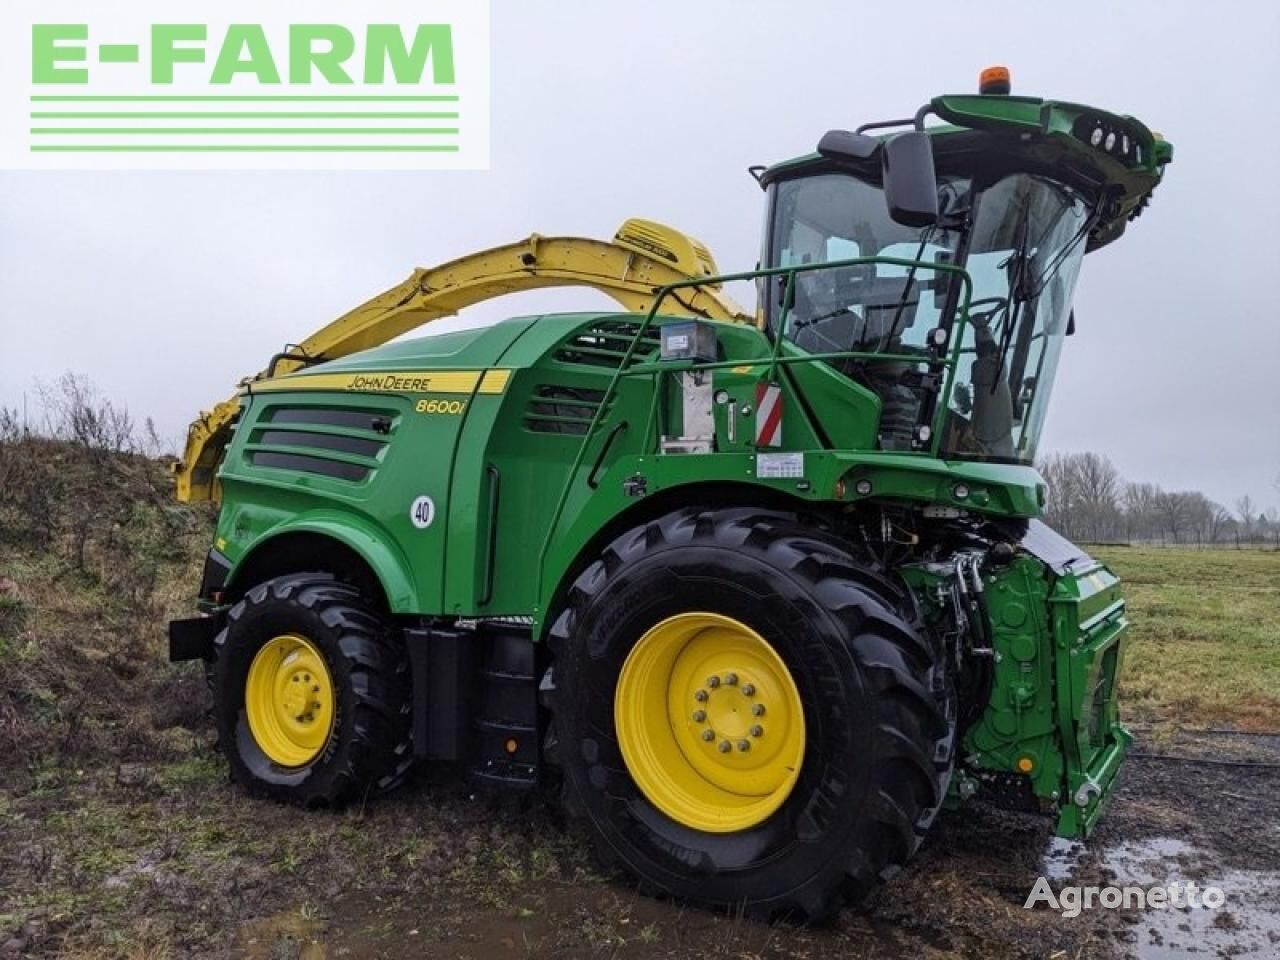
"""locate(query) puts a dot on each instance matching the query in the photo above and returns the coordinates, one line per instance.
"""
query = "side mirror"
(910, 184)
(843, 145)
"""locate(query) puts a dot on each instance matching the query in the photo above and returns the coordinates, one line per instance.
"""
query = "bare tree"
(1140, 509)
(1220, 521)
(75, 411)
(1247, 513)
(1174, 510)
(1062, 509)
(1098, 486)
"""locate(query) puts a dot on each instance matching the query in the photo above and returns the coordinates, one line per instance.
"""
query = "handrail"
(625, 367)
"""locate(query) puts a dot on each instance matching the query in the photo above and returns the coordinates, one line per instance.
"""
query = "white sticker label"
(423, 512)
(780, 466)
(679, 341)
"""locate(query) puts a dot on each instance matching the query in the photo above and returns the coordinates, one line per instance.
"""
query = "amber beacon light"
(994, 80)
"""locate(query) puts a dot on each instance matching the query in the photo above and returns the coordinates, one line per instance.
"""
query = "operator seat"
(992, 400)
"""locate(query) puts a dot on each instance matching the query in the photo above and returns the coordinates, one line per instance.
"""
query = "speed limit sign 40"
(423, 512)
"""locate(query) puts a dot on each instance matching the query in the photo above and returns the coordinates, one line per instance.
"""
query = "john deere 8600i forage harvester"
(760, 593)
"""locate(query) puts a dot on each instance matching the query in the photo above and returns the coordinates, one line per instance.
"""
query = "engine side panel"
(1050, 731)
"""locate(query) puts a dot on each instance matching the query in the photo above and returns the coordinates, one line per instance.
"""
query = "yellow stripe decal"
(411, 381)
(494, 381)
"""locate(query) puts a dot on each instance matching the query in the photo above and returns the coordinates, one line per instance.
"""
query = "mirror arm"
(884, 125)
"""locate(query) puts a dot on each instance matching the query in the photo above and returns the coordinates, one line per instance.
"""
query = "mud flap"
(192, 639)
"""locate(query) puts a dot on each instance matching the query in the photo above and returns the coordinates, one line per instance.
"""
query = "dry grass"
(1206, 635)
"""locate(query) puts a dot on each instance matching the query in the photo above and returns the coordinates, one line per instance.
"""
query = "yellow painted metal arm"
(642, 257)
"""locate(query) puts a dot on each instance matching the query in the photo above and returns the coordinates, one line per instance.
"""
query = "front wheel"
(311, 693)
(749, 717)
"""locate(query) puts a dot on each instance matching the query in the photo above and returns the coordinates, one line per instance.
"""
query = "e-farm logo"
(191, 84)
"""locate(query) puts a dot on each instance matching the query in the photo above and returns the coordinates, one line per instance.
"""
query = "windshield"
(873, 308)
(1024, 254)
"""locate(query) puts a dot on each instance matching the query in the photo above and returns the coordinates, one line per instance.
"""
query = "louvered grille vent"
(565, 410)
(606, 343)
(341, 443)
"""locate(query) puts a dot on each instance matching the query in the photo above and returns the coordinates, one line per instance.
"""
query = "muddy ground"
(170, 859)
(121, 837)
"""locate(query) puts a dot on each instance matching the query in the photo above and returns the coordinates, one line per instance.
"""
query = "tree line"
(1090, 501)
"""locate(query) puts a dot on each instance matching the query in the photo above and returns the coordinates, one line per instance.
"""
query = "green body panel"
(1020, 720)
(495, 481)
(372, 516)
(1057, 643)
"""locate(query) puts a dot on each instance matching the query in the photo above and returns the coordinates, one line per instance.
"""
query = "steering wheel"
(981, 318)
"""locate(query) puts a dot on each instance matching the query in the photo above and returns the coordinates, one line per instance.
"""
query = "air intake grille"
(1100, 716)
(341, 443)
(606, 343)
(564, 410)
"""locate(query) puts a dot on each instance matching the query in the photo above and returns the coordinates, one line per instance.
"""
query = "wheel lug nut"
(749, 689)
(708, 735)
(699, 716)
(713, 682)
(724, 746)
(758, 710)
(731, 679)
(757, 731)
(701, 696)
(744, 745)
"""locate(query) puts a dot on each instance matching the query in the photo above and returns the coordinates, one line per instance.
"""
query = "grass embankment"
(119, 832)
(120, 835)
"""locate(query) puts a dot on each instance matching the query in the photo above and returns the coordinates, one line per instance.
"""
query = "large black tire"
(369, 749)
(879, 711)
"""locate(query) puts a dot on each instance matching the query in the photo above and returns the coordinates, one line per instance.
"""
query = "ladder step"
(508, 776)
(507, 676)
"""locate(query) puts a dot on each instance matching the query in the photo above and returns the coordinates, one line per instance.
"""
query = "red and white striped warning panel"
(768, 415)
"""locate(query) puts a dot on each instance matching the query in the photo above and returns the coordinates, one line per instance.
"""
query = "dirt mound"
(94, 558)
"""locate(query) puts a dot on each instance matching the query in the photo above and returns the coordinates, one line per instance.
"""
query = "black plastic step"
(507, 776)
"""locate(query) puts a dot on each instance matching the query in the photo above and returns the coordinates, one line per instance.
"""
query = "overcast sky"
(165, 288)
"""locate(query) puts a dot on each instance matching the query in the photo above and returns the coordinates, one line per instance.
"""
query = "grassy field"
(121, 837)
(1206, 635)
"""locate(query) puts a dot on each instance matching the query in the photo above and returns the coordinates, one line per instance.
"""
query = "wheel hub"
(710, 722)
(289, 700)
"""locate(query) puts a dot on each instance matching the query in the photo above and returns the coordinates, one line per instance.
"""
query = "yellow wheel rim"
(710, 723)
(289, 700)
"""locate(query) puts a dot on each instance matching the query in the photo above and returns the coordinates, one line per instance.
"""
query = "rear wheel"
(748, 716)
(311, 693)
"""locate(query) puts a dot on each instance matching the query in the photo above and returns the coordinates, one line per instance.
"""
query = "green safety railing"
(627, 367)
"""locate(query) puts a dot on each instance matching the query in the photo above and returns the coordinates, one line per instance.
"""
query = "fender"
(593, 534)
(370, 542)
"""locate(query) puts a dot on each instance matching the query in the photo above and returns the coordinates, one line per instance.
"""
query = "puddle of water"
(1247, 925)
(1061, 859)
(284, 936)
